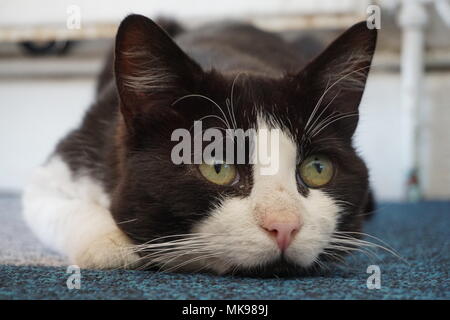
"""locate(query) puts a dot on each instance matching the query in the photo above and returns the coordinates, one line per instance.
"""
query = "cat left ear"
(150, 68)
(337, 77)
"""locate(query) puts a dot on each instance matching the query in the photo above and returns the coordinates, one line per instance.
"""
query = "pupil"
(318, 166)
(217, 167)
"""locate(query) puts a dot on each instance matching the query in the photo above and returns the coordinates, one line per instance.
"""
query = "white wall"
(378, 135)
(435, 140)
(34, 114)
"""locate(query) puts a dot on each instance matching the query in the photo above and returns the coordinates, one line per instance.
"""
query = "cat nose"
(283, 232)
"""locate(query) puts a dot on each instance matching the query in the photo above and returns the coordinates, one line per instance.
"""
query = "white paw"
(109, 251)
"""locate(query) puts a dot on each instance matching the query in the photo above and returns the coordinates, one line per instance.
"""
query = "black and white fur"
(110, 197)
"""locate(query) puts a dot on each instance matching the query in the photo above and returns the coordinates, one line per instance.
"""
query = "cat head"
(232, 217)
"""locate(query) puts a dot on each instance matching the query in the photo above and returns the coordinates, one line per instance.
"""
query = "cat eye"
(219, 173)
(316, 171)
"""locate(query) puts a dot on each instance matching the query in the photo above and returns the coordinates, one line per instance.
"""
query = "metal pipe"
(412, 19)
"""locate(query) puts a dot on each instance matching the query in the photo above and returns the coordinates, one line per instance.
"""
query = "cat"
(110, 195)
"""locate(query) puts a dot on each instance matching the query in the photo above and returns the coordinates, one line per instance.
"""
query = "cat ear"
(149, 67)
(337, 77)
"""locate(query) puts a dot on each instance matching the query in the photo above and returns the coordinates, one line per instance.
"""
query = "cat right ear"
(337, 77)
(150, 69)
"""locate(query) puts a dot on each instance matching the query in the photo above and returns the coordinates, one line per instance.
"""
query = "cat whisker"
(363, 234)
(327, 89)
(321, 123)
(181, 235)
(320, 264)
(334, 256)
(324, 109)
(127, 221)
(316, 107)
(364, 243)
(208, 99)
(343, 116)
(155, 252)
(169, 247)
(339, 261)
(169, 256)
(187, 262)
(210, 116)
(157, 258)
(338, 201)
(232, 97)
(149, 255)
(348, 249)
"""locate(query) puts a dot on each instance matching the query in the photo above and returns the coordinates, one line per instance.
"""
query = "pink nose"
(284, 232)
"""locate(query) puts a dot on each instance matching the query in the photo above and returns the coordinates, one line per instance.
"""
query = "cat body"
(110, 196)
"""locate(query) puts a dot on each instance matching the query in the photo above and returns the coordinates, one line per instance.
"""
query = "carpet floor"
(419, 233)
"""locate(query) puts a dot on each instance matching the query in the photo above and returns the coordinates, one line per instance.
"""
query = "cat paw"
(110, 251)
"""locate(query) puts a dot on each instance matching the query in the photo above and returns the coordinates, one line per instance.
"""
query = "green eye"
(218, 173)
(316, 171)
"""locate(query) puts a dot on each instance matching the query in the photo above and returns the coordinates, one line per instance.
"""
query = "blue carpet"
(419, 233)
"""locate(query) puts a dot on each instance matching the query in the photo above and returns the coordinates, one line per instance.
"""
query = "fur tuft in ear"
(149, 66)
(337, 77)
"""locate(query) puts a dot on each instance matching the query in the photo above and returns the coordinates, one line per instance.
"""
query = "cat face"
(233, 217)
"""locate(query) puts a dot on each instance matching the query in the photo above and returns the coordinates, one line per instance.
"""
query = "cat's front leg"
(70, 213)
